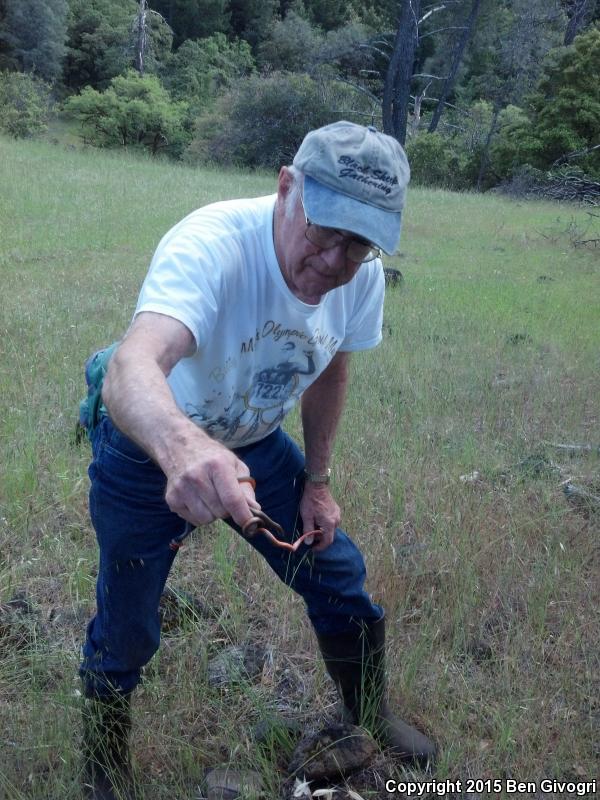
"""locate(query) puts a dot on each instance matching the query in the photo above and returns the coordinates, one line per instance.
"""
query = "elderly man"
(249, 306)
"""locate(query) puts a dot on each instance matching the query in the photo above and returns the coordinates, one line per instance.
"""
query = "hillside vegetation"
(447, 470)
(483, 93)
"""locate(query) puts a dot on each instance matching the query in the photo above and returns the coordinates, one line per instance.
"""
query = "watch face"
(315, 477)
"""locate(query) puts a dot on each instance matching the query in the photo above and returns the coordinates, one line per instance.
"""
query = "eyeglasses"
(357, 249)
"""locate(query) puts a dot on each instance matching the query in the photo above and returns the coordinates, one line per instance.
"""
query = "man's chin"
(313, 293)
(318, 287)
(310, 299)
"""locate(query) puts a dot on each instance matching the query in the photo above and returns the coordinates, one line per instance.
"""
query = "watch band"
(317, 477)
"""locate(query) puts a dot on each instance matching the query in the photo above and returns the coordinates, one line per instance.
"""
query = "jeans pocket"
(119, 445)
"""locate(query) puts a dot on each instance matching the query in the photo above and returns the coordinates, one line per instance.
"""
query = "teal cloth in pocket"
(91, 408)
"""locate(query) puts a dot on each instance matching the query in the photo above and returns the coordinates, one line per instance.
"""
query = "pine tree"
(34, 33)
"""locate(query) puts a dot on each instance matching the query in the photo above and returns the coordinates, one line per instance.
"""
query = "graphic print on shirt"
(274, 385)
(272, 391)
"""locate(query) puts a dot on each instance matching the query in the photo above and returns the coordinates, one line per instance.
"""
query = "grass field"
(445, 467)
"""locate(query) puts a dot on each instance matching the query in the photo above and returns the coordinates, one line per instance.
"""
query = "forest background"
(481, 92)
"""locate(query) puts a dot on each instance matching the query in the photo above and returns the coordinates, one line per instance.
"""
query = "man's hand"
(318, 509)
(203, 485)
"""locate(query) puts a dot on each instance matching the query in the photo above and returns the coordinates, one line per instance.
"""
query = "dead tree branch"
(575, 154)
(441, 30)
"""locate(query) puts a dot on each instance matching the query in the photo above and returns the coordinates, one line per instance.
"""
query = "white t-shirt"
(258, 346)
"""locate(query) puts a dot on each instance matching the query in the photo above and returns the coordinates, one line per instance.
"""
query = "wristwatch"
(317, 477)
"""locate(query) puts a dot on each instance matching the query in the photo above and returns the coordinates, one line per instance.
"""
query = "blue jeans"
(134, 526)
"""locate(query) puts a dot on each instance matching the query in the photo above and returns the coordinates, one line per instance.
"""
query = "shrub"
(512, 145)
(201, 69)
(434, 161)
(565, 108)
(560, 119)
(134, 110)
(292, 45)
(24, 104)
(263, 120)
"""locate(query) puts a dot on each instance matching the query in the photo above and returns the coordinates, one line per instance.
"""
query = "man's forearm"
(141, 404)
(203, 476)
(322, 406)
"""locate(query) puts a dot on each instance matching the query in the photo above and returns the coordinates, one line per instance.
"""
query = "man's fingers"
(236, 497)
(215, 502)
(319, 510)
(248, 492)
(325, 540)
(199, 514)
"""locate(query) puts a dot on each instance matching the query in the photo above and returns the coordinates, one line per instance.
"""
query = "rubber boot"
(356, 662)
(107, 764)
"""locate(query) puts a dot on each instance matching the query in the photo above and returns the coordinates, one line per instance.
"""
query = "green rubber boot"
(107, 771)
(356, 662)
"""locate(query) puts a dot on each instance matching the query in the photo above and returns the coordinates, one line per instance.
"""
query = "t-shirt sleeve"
(363, 329)
(184, 282)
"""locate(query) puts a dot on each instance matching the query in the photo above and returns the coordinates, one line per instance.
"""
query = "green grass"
(491, 585)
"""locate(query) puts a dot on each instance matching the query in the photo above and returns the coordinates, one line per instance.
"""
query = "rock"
(519, 338)
(472, 477)
(274, 729)
(537, 466)
(584, 499)
(500, 380)
(20, 603)
(332, 753)
(236, 664)
(393, 277)
(480, 650)
(18, 625)
(177, 607)
(225, 783)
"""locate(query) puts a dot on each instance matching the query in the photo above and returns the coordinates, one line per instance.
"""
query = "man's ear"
(284, 182)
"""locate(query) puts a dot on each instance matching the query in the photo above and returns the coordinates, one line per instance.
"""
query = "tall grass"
(490, 583)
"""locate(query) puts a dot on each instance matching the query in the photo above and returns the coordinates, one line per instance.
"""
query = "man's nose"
(335, 257)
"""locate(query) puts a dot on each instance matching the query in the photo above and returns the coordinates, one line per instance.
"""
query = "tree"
(580, 13)
(152, 38)
(329, 14)
(194, 19)
(511, 147)
(34, 33)
(24, 104)
(134, 111)
(344, 49)
(263, 120)
(201, 69)
(251, 19)
(396, 89)
(410, 48)
(565, 108)
(456, 61)
(292, 44)
(6, 58)
(505, 59)
(98, 38)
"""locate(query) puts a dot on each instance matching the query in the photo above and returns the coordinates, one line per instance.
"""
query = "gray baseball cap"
(355, 180)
